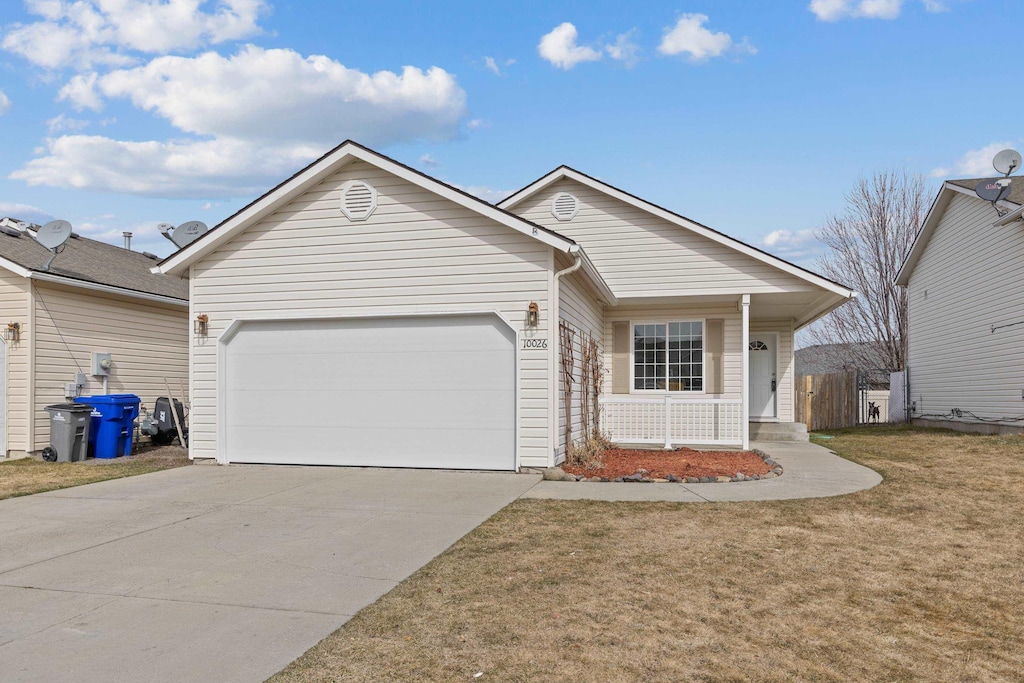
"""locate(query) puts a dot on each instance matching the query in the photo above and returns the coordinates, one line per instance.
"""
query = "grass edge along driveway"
(916, 579)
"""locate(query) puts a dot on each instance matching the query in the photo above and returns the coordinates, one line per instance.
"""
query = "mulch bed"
(684, 462)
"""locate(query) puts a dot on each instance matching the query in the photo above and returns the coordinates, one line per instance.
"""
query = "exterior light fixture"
(532, 314)
(13, 332)
(200, 325)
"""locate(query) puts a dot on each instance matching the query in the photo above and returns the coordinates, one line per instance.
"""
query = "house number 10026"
(535, 343)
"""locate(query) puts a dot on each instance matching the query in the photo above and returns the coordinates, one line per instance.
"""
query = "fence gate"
(828, 401)
(873, 395)
(899, 403)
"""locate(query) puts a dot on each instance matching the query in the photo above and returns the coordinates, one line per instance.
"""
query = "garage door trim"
(238, 323)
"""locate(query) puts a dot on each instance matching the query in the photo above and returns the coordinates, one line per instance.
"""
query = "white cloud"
(429, 161)
(793, 245)
(492, 65)
(5, 102)
(976, 163)
(267, 111)
(689, 36)
(935, 6)
(62, 122)
(834, 10)
(85, 34)
(24, 212)
(474, 124)
(625, 49)
(559, 47)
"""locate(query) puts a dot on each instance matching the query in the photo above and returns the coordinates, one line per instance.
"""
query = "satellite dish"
(1007, 161)
(165, 229)
(53, 234)
(187, 233)
(992, 190)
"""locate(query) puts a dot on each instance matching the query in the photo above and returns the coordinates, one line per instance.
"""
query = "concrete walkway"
(216, 573)
(809, 471)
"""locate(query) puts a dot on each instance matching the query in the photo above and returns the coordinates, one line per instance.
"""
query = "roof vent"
(564, 206)
(358, 200)
(13, 232)
(149, 254)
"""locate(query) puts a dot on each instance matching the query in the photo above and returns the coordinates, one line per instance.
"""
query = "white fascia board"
(595, 276)
(106, 289)
(1011, 217)
(664, 214)
(15, 268)
(319, 170)
(822, 307)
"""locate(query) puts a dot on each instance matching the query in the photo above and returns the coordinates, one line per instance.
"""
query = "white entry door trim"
(764, 404)
(237, 324)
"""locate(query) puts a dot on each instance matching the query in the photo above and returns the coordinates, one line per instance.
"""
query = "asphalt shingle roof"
(1016, 187)
(93, 261)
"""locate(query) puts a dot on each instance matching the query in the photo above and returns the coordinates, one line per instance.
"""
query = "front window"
(668, 356)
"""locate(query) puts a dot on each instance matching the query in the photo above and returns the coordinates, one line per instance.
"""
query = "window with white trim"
(668, 356)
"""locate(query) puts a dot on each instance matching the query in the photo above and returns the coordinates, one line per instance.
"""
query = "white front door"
(763, 383)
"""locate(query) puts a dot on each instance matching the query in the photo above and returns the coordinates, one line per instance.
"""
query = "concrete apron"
(216, 573)
(809, 471)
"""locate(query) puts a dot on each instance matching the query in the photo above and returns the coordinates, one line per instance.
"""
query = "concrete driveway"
(216, 573)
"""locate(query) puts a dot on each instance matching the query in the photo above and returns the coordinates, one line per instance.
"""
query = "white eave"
(321, 169)
(682, 221)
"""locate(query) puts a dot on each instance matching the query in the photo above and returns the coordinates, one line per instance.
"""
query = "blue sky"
(753, 118)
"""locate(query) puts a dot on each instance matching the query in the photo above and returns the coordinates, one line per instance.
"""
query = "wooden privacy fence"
(827, 401)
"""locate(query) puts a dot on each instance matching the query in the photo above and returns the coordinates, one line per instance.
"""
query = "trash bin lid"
(110, 399)
(71, 407)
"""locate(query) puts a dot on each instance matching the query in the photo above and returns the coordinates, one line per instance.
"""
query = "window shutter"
(620, 357)
(714, 355)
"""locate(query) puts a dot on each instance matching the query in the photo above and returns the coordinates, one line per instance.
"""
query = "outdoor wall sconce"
(13, 332)
(532, 314)
(201, 324)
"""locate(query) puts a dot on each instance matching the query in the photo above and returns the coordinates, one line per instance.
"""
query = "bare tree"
(867, 244)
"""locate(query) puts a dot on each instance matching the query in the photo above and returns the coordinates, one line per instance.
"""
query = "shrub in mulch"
(680, 464)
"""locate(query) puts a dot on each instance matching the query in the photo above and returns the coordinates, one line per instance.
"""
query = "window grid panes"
(668, 356)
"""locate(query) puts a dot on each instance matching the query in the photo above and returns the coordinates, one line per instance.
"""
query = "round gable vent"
(358, 200)
(564, 206)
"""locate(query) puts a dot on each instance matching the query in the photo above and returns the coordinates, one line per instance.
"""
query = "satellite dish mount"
(52, 236)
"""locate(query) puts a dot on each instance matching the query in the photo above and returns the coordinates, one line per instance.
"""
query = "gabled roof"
(950, 189)
(331, 162)
(563, 172)
(92, 265)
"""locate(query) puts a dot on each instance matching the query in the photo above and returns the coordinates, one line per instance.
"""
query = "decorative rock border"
(642, 476)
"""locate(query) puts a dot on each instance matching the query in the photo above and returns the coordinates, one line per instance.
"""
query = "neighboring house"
(966, 312)
(865, 357)
(95, 298)
(363, 313)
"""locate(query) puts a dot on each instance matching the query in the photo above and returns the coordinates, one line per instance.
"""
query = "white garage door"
(386, 392)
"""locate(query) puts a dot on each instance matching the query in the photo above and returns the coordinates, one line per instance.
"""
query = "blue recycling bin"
(112, 426)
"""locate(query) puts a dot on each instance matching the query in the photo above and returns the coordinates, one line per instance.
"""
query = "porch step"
(778, 431)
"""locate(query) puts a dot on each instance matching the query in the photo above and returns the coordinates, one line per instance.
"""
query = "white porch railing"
(672, 420)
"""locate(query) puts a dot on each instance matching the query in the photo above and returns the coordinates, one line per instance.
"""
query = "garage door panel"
(332, 445)
(339, 370)
(407, 392)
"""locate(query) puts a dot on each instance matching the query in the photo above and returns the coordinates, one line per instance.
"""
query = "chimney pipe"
(127, 240)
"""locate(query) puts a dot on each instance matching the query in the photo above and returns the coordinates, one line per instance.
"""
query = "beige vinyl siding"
(785, 372)
(640, 254)
(14, 304)
(148, 342)
(732, 365)
(580, 307)
(417, 253)
(968, 279)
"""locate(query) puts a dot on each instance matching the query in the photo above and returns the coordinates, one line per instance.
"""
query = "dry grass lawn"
(28, 476)
(919, 579)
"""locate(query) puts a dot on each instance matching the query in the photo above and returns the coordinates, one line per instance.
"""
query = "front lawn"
(918, 579)
(28, 476)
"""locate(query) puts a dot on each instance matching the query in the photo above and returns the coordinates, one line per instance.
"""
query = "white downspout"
(574, 250)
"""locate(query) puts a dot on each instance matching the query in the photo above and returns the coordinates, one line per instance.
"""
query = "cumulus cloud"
(5, 103)
(85, 34)
(282, 111)
(24, 212)
(690, 37)
(62, 122)
(793, 245)
(975, 163)
(625, 48)
(560, 48)
(835, 10)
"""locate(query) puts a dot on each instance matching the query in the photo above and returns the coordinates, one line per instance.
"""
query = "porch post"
(745, 327)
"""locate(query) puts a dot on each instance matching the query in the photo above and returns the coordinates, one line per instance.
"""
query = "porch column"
(745, 327)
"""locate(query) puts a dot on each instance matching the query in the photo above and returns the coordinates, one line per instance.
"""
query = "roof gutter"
(106, 289)
(1011, 217)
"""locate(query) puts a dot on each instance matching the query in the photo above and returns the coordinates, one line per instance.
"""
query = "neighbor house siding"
(417, 253)
(583, 311)
(148, 343)
(785, 373)
(968, 280)
(640, 254)
(14, 304)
